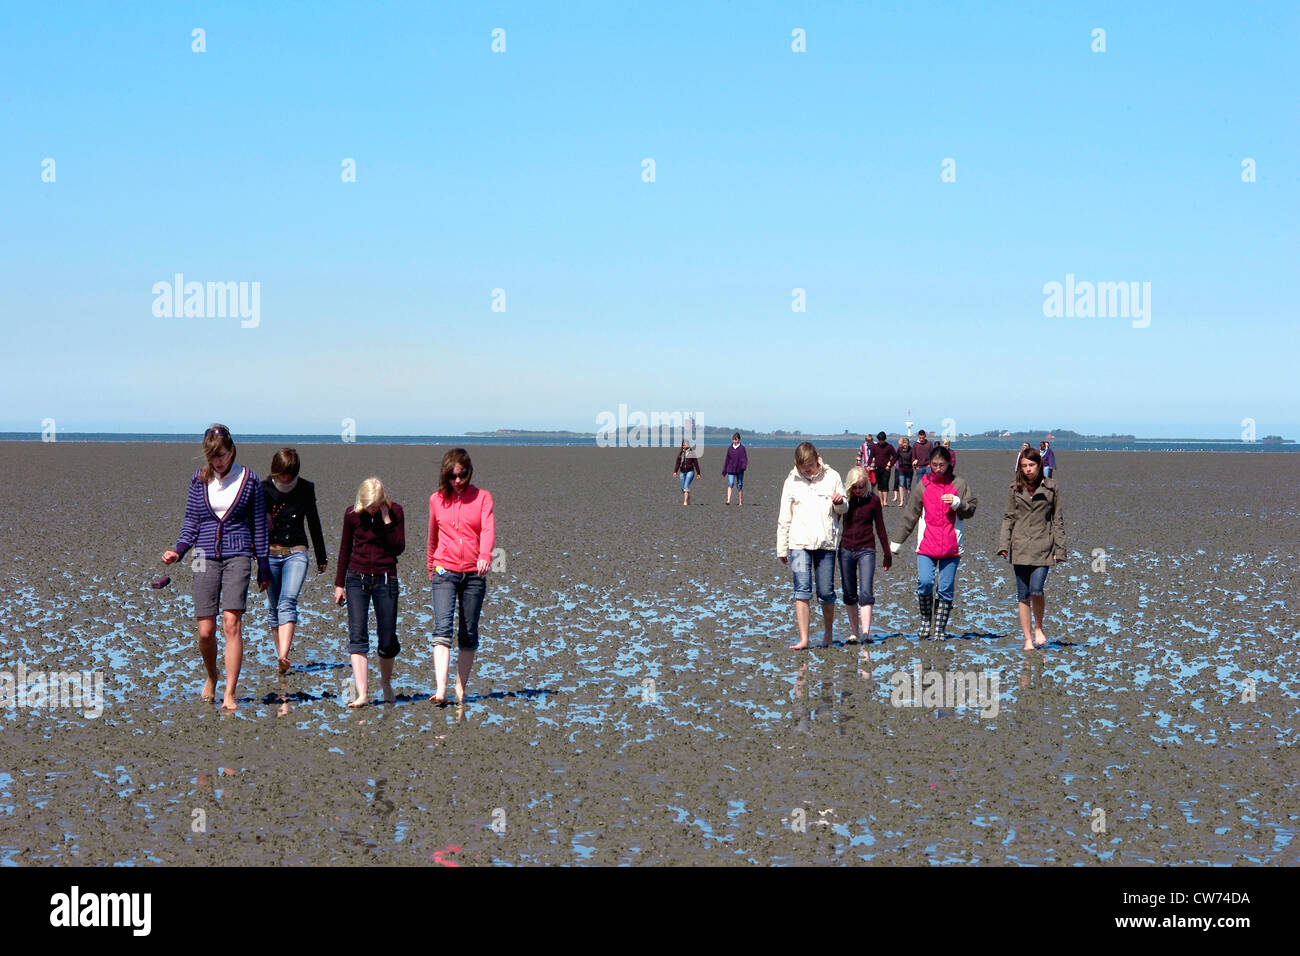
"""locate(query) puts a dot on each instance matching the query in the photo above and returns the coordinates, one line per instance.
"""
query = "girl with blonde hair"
(374, 534)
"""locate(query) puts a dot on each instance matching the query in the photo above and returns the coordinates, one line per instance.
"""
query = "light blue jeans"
(287, 575)
(940, 571)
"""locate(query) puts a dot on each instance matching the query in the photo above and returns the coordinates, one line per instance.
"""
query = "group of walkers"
(821, 523)
(237, 523)
(687, 468)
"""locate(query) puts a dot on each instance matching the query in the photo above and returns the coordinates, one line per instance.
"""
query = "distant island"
(663, 436)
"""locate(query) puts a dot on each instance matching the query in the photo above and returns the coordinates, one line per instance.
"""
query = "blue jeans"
(945, 569)
(288, 572)
(687, 477)
(857, 574)
(463, 588)
(1047, 471)
(1029, 580)
(383, 590)
(736, 480)
(803, 565)
(922, 472)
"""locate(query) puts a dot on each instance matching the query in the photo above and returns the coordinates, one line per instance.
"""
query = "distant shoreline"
(577, 439)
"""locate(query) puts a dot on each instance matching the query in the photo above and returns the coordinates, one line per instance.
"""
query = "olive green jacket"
(1033, 527)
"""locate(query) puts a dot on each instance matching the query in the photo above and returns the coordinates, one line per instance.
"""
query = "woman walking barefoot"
(290, 501)
(863, 524)
(462, 535)
(904, 485)
(225, 522)
(687, 467)
(808, 528)
(941, 504)
(1033, 540)
(374, 534)
(733, 469)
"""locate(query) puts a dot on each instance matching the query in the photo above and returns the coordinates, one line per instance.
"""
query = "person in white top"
(808, 529)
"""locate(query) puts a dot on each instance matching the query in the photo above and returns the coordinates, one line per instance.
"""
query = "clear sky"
(774, 170)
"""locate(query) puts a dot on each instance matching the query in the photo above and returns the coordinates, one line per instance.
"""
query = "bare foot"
(439, 698)
(229, 702)
(389, 696)
(359, 700)
(826, 641)
(209, 693)
(460, 691)
(801, 646)
(1040, 639)
(1028, 646)
(284, 665)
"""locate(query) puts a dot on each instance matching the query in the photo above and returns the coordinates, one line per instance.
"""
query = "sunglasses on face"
(460, 476)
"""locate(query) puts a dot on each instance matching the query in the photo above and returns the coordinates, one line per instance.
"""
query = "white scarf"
(285, 489)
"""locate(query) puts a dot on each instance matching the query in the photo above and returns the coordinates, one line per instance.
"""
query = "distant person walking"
(686, 468)
(808, 528)
(290, 502)
(1049, 457)
(921, 449)
(462, 536)
(885, 458)
(864, 524)
(1024, 447)
(1033, 540)
(374, 534)
(942, 503)
(903, 486)
(225, 522)
(734, 469)
(947, 443)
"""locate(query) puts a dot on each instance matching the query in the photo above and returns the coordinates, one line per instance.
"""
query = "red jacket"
(462, 530)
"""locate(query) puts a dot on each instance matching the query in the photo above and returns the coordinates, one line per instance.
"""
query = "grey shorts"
(222, 584)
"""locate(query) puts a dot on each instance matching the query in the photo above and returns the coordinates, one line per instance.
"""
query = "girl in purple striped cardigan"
(225, 523)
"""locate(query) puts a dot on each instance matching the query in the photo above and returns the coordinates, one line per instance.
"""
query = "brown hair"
(216, 441)
(805, 455)
(285, 462)
(457, 456)
(1022, 483)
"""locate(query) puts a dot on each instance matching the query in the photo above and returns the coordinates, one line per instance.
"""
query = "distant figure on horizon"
(734, 469)
(225, 522)
(374, 534)
(921, 449)
(290, 501)
(808, 528)
(686, 468)
(943, 502)
(1032, 538)
(903, 485)
(462, 536)
(1048, 456)
(864, 523)
(1024, 447)
(947, 443)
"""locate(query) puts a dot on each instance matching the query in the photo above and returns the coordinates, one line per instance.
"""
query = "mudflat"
(634, 700)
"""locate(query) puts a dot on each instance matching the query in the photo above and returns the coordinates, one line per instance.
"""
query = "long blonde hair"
(856, 473)
(370, 493)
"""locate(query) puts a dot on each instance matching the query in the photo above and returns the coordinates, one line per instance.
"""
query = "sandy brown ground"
(634, 700)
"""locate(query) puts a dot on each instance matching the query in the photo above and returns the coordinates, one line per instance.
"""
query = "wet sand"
(634, 701)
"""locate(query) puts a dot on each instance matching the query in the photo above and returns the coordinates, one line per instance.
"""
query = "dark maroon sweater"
(368, 545)
(863, 516)
(921, 452)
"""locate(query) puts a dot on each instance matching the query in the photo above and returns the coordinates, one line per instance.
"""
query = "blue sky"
(774, 170)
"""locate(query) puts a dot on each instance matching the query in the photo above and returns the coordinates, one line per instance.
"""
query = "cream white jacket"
(808, 519)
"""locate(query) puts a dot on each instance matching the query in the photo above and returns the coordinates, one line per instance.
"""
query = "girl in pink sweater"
(462, 534)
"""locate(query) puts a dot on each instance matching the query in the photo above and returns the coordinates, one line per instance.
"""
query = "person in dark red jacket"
(374, 534)
(864, 525)
(921, 449)
(884, 457)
